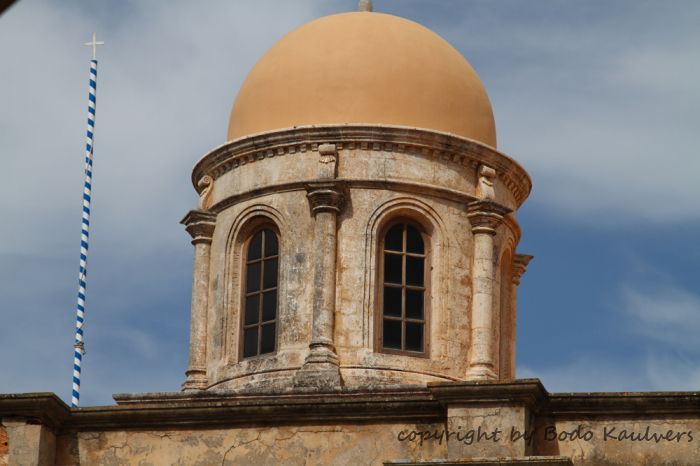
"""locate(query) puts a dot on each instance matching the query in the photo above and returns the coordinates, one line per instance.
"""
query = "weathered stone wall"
(385, 174)
(289, 212)
(28, 443)
(373, 444)
(477, 423)
(364, 444)
(356, 285)
(623, 441)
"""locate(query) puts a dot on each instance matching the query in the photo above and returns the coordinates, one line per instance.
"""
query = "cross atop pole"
(79, 346)
(94, 43)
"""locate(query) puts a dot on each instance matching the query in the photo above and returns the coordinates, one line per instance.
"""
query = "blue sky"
(598, 100)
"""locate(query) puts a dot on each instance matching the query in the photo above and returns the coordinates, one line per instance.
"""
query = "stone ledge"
(523, 461)
(408, 403)
(624, 403)
(42, 408)
(530, 392)
(204, 409)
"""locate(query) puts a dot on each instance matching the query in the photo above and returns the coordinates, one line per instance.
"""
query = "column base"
(320, 369)
(481, 372)
(196, 380)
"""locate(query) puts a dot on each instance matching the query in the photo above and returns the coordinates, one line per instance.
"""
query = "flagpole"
(79, 345)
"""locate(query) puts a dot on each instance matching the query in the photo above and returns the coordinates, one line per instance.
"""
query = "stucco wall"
(366, 444)
(639, 441)
(373, 444)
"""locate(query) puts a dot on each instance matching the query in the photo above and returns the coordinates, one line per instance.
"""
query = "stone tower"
(358, 227)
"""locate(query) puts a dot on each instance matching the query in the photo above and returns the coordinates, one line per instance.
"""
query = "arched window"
(260, 297)
(402, 303)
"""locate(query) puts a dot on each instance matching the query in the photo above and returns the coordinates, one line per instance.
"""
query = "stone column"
(520, 262)
(485, 217)
(200, 225)
(326, 198)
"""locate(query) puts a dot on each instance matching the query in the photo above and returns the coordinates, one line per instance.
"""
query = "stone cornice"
(399, 186)
(625, 404)
(203, 409)
(486, 216)
(43, 408)
(200, 225)
(529, 392)
(427, 143)
(410, 403)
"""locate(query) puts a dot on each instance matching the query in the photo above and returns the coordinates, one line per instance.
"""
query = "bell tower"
(358, 227)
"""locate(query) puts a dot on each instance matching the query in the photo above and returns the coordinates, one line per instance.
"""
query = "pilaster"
(485, 217)
(326, 199)
(200, 225)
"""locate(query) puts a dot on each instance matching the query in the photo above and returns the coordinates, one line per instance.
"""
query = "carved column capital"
(325, 197)
(520, 262)
(485, 216)
(200, 225)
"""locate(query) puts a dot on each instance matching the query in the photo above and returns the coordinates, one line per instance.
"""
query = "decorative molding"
(328, 161)
(486, 216)
(510, 222)
(467, 153)
(200, 225)
(520, 262)
(484, 187)
(411, 188)
(206, 186)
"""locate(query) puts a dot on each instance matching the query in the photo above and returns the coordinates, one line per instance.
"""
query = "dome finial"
(365, 5)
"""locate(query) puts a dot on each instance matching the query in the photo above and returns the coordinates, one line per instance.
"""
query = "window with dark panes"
(403, 289)
(260, 303)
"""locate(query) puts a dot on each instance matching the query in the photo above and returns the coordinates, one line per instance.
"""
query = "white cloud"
(665, 321)
(600, 106)
(668, 315)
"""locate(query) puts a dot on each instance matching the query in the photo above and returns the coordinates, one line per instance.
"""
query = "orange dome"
(363, 68)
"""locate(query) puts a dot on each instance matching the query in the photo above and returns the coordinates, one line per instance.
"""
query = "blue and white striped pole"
(79, 345)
